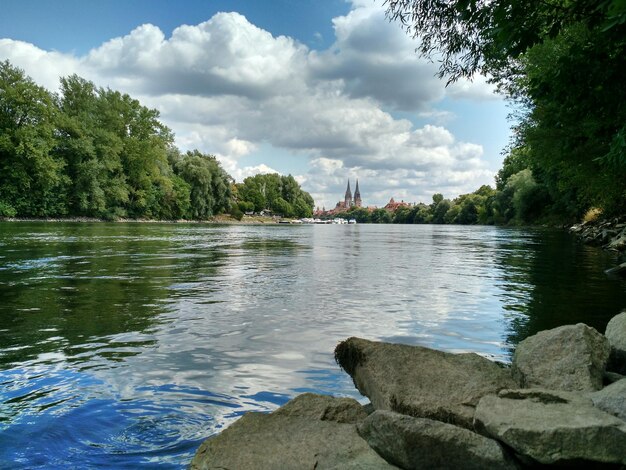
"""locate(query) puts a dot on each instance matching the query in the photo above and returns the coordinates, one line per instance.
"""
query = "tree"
(280, 194)
(209, 185)
(562, 63)
(32, 179)
(469, 36)
(380, 216)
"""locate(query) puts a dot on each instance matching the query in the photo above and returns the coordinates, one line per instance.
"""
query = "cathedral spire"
(348, 198)
(357, 194)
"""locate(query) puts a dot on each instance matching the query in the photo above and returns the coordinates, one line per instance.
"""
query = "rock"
(618, 242)
(416, 443)
(421, 382)
(616, 334)
(612, 399)
(324, 408)
(569, 358)
(619, 270)
(308, 432)
(612, 377)
(552, 427)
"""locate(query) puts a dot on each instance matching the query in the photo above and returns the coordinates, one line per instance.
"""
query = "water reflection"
(124, 345)
(550, 281)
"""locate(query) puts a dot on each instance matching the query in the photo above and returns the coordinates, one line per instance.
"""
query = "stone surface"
(421, 382)
(552, 427)
(612, 399)
(324, 408)
(301, 434)
(569, 358)
(612, 377)
(616, 334)
(418, 443)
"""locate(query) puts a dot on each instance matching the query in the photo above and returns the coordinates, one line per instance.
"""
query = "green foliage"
(209, 185)
(32, 178)
(360, 214)
(236, 212)
(380, 216)
(96, 152)
(6, 210)
(563, 64)
(245, 206)
(279, 194)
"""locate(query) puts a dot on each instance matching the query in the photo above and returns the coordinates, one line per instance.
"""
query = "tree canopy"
(562, 64)
(95, 152)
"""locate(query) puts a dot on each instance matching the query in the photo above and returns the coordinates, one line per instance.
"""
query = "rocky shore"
(562, 402)
(606, 233)
(610, 234)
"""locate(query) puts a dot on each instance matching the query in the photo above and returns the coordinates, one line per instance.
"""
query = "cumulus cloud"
(374, 58)
(228, 87)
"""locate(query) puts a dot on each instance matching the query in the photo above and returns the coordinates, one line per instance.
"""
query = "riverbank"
(219, 219)
(609, 234)
(560, 403)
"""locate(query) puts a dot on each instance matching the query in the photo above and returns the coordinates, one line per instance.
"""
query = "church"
(348, 200)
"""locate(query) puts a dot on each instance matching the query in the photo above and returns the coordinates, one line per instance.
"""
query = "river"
(125, 345)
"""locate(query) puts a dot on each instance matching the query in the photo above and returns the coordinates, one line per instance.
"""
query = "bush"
(236, 212)
(6, 210)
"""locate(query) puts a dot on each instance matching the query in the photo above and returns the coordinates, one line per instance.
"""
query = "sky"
(325, 90)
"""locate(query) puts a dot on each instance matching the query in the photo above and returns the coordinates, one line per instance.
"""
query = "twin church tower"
(349, 201)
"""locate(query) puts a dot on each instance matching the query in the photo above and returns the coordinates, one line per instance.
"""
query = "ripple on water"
(125, 345)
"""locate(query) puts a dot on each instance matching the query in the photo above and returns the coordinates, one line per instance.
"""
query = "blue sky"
(324, 90)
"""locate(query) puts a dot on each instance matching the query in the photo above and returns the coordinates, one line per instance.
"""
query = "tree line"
(94, 152)
(563, 65)
(516, 200)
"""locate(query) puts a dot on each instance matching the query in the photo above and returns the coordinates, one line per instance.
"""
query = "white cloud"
(227, 87)
(475, 89)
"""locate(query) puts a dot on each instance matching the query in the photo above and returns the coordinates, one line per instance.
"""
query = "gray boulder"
(569, 358)
(616, 334)
(324, 408)
(417, 443)
(421, 382)
(552, 427)
(612, 399)
(310, 431)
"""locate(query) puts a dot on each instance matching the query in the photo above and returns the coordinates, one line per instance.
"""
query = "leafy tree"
(209, 185)
(469, 36)
(563, 64)
(279, 194)
(360, 214)
(439, 209)
(283, 208)
(32, 179)
(380, 216)
(402, 215)
(421, 214)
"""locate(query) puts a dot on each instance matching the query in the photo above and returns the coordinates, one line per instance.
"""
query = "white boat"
(352, 221)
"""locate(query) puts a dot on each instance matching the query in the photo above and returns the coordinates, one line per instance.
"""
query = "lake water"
(125, 345)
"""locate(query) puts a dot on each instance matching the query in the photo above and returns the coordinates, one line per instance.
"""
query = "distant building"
(357, 194)
(348, 201)
(393, 206)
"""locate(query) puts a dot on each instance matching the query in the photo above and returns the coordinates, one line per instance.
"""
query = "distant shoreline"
(221, 219)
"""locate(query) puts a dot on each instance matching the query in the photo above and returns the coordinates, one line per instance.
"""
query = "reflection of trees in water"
(81, 290)
(550, 280)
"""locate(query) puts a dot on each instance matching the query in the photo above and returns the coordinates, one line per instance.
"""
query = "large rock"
(612, 399)
(310, 431)
(417, 443)
(552, 427)
(569, 358)
(616, 334)
(421, 382)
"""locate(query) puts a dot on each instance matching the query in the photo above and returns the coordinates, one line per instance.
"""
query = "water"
(125, 345)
